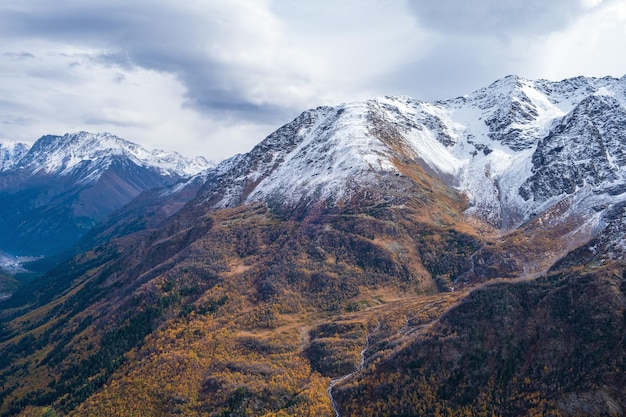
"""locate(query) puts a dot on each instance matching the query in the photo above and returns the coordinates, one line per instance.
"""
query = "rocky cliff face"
(586, 148)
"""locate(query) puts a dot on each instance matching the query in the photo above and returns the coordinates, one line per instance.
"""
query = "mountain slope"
(242, 268)
(554, 346)
(248, 267)
(499, 146)
(63, 185)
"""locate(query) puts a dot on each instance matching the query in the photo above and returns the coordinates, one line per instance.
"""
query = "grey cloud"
(480, 41)
(59, 24)
(18, 56)
(503, 18)
(118, 59)
(451, 70)
(118, 78)
(107, 121)
(160, 36)
(211, 86)
(223, 104)
(18, 121)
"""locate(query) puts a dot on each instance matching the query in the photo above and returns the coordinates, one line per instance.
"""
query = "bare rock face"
(585, 149)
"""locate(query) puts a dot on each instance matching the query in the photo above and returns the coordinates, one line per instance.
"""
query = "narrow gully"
(359, 369)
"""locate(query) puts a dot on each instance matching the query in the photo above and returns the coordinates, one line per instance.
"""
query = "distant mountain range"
(53, 193)
(386, 257)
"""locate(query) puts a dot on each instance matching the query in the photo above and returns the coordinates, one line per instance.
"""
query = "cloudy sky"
(213, 77)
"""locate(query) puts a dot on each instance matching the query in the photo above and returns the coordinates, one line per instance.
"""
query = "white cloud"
(592, 46)
(353, 43)
(211, 73)
(483, 40)
(213, 77)
(61, 89)
(499, 18)
(590, 4)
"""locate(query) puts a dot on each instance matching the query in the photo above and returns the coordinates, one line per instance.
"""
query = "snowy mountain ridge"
(515, 148)
(64, 154)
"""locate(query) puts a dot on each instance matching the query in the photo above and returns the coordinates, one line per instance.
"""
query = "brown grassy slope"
(220, 364)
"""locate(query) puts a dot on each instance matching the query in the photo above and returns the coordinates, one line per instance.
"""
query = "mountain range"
(53, 192)
(386, 257)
